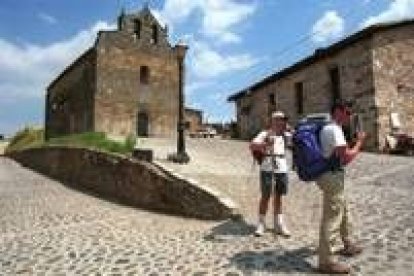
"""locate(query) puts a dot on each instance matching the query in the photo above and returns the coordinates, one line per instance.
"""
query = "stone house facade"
(374, 68)
(126, 83)
(193, 119)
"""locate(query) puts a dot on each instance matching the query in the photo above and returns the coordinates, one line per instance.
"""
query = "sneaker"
(350, 250)
(281, 229)
(334, 268)
(260, 230)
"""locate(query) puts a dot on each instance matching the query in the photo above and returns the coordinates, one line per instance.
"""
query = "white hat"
(278, 114)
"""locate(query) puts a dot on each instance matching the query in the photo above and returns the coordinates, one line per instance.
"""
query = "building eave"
(77, 61)
(320, 54)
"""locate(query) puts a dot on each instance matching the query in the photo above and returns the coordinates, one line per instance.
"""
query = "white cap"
(278, 114)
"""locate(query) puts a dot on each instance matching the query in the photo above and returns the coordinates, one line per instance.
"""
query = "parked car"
(204, 133)
(324, 117)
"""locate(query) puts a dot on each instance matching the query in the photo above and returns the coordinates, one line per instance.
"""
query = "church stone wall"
(121, 95)
(70, 98)
(126, 84)
(394, 78)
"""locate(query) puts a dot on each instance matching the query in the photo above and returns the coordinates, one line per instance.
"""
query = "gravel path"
(50, 229)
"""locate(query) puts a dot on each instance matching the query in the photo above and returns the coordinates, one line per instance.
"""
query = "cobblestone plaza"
(50, 229)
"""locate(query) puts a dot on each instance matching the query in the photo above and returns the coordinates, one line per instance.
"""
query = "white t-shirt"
(275, 159)
(331, 136)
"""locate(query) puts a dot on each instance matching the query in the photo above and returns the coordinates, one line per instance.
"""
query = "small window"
(245, 110)
(144, 75)
(137, 28)
(54, 106)
(335, 83)
(154, 38)
(272, 99)
(299, 97)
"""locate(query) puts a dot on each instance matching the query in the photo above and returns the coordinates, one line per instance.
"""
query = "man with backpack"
(335, 214)
(269, 149)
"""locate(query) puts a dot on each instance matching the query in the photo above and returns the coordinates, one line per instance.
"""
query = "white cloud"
(193, 86)
(175, 11)
(195, 105)
(178, 10)
(218, 97)
(397, 10)
(207, 63)
(218, 16)
(161, 18)
(328, 27)
(47, 18)
(26, 70)
(215, 118)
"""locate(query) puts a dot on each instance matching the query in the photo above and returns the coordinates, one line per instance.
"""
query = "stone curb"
(227, 202)
(101, 173)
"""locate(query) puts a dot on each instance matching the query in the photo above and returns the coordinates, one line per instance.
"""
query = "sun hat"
(278, 114)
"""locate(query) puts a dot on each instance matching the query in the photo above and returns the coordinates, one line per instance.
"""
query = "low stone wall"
(129, 181)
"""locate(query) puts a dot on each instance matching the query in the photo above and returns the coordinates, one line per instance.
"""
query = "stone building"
(373, 67)
(193, 119)
(126, 83)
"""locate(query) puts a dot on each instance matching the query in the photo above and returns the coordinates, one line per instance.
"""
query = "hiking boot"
(350, 250)
(334, 268)
(260, 230)
(281, 229)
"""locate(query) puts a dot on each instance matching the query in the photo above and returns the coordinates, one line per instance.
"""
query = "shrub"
(27, 138)
(130, 142)
(30, 138)
(96, 140)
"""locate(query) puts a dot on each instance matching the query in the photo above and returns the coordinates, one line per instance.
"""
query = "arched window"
(144, 75)
(154, 38)
(142, 124)
(137, 28)
(299, 97)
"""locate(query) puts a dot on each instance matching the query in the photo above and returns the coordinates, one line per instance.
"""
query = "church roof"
(79, 60)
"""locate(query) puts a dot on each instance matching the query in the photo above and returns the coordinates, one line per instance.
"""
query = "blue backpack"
(307, 152)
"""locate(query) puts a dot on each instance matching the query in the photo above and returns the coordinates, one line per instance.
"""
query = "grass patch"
(96, 140)
(31, 138)
(26, 138)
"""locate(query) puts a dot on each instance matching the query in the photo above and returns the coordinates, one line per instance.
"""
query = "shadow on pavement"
(230, 228)
(274, 261)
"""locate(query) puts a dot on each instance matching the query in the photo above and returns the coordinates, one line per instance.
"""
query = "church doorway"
(142, 124)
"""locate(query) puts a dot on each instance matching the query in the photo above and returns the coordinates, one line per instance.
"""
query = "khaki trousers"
(335, 214)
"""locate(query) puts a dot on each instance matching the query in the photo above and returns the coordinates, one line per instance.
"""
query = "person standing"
(335, 213)
(273, 172)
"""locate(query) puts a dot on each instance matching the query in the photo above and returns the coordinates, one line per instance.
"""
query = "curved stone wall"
(126, 180)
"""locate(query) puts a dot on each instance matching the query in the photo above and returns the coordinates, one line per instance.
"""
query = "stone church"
(126, 83)
(374, 68)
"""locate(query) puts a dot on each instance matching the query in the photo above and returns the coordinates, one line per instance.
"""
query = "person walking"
(335, 213)
(271, 143)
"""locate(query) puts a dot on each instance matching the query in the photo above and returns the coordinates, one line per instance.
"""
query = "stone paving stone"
(47, 228)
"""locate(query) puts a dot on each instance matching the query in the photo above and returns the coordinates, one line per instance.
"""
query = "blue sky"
(233, 43)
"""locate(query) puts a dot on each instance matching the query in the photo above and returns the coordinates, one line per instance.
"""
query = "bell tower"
(143, 27)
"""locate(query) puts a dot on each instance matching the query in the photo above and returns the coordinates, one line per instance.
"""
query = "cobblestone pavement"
(50, 229)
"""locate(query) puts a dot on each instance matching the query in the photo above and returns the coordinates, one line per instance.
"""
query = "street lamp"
(181, 156)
